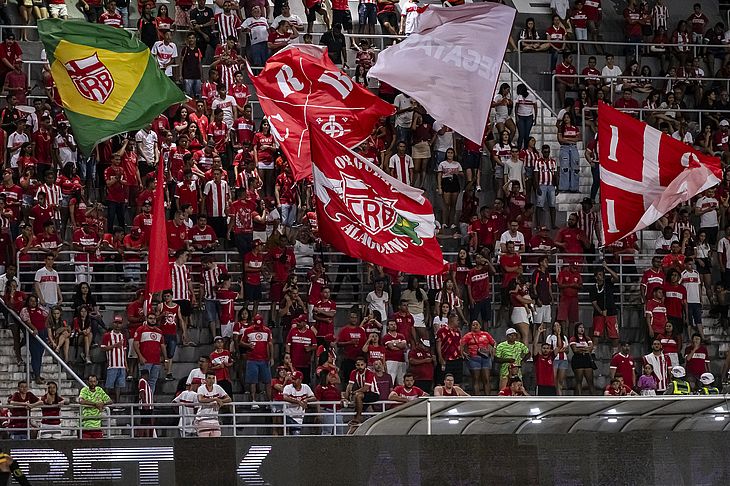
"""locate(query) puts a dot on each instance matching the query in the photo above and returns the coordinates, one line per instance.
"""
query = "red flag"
(645, 173)
(158, 272)
(367, 214)
(300, 84)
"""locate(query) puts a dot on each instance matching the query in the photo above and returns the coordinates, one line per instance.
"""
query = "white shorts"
(543, 314)
(418, 320)
(519, 315)
(50, 432)
(131, 353)
(227, 330)
(58, 10)
(396, 369)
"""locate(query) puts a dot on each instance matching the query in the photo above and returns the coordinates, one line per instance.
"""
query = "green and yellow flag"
(108, 81)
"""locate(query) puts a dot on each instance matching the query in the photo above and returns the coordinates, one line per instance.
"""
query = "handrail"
(636, 46)
(48, 349)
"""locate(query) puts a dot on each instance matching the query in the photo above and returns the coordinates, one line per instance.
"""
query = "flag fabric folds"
(301, 88)
(108, 81)
(645, 173)
(158, 269)
(451, 64)
(367, 214)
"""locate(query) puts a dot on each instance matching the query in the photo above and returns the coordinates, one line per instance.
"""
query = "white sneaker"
(254, 407)
(479, 188)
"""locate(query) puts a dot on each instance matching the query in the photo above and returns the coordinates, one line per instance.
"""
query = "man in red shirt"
(148, 345)
(572, 240)
(395, 346)
(350, 340)
(253, 263)
(565, 82)
(478, 284)
(448, 349)
(362, 388)
(656, 312)
(407, 391)
(135, 318)
(627, 103)
(286, 197)
(592, 78)
(421, 363)
(257, 338)
(242, 215)
(202, 235)
(220, 364)
(651, 279)
(116, 193)
(515, 388)
(555, 34)
(111, 16)
(226, 298)
(405, 323)
(300, 343)
(569, 282)
(721, 142)
(623, 364)
(675, 301)
(177, 234)
(323, 314)
(86, 242)
(543, 356)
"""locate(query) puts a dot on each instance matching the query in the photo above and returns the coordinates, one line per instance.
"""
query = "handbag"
(483, 352)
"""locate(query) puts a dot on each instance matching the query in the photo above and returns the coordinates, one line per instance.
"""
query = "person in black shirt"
(192, 66)
(146, 26)
(201, 21)
(335, 43)
(603, 299)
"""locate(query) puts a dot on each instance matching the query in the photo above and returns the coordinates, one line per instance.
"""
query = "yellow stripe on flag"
(96, 82)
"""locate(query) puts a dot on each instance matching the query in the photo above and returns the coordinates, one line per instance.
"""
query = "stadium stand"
(247, 261)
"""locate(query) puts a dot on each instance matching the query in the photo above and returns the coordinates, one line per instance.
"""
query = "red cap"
(297, 375)
(258, 320)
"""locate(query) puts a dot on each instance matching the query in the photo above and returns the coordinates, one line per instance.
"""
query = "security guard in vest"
(678, 385)
(708, 385)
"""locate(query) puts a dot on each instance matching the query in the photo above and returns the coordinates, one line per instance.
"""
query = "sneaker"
(129, 378)
(479, 188)
(529, 360)
(169, 377)
(88, 361)
(254, 407)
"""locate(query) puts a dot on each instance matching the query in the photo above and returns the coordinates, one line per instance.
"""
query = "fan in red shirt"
(253, 263)
(448, 349)
(652, 278)
(227, 300)
(697, 358)
(421, 363)
(218, 131)
(515, 388)
(149, 346)
(300, 343)
(544, 373)
(239, 91)
(350, 340)
(572, 240)
(675, 300)
(623, 364)
(177, 233)
(220, 364)
(511, 264)
(323, 314)
(407, 391)
(257, 338)
(569, 282)
(656, 312)
(404, 322)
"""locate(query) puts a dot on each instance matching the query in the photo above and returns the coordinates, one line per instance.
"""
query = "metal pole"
(428, 417)
(519, 56)
(552, 91)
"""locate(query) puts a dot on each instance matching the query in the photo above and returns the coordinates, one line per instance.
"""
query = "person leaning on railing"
(93, 399)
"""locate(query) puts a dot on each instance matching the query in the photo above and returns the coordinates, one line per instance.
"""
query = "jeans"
(596, 173)
(524, 125)
(36, 352)
(288, 214)
(192, 87)
(403, 134)
(114, 211)
(569, 168)
(332, 424)
(124, 12)
(259, 52)
(87, 170)
(154, 370)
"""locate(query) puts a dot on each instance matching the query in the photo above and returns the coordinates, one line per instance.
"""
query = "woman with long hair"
(448, 295)
(59, 334)
(559, 344)
(34, 317)
(180, 122)
(703, 257)
(501, 153)
(520, 301)
(569, 161)
(671, 344)
(423, 137)
(82, 328)
(69, 182)
(582, 364)
(502, 106)
(264, 147)
(447, 184)
(441, 319)
(459, 271)
(163, 22)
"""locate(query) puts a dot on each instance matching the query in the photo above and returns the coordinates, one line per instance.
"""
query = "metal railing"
(636, 46)
(11, 314)
(613, 84)
(235, 419)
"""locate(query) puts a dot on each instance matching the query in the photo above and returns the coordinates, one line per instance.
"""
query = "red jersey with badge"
(227, 300)
(349, 333)
(259, 336)
(298, 340)
(169, 314)
(624, 366)
(150, 343)
(450, 343)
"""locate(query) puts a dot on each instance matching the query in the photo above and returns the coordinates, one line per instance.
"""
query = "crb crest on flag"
(91, 78)
(368, 214)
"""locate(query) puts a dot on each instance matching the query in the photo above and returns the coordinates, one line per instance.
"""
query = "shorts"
(481, 309)
(418, 320)
(421, 150)
(546, 391)
(390, 18)
(50, 432)
(212, 309)
(313, 11)
(116, 378)
(580, 33)
(186, 309)
(560, 364)
(456, 368)
(471, 160)
(58, 10)
(252, 292)
(568, 309)
(609, 322)
(695, 314)
(227, 330)
(342, 17)
(543, 314)
(171, 345)
(367, 14)
(479, 363)
(450, 185)
(581, 361)
(370, 397)
(275, 291)
(706, 269)
(519, 315)
(547, 195)
(257, 372)
(26, 3)
(92, 434)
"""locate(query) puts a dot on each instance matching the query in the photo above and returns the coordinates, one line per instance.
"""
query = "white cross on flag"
(645, 173)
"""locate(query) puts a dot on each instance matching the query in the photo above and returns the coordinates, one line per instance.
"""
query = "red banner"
(158, 272)
(300, 84)
(645, 173)
(367, 214)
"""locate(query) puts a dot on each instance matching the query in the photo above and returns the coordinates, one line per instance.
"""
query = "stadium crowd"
(228, 187)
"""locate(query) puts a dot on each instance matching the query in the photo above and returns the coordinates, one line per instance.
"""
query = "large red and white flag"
(451, 64)
(367, 214)
(645, 173)
(301, 85)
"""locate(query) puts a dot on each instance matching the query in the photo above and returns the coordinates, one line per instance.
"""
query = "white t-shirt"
(687, 138)
(379, 304)
(16, 138)
(501, 111)
(691, 282)
(449, 169)
(518, 239)
(187, 414)
(64, 151)
(410, 12)
(439, 322)
(226, 104)
(513, 170)
(610, 75)
(403, 102)
(723, 246)
(662, 243)
(259, 29)
(147, 140)
(709, 219)
(209, 411)
(524, 105)
(443, 141)
(561, 7)
(165, 53)
(295, 411)
(48, 285)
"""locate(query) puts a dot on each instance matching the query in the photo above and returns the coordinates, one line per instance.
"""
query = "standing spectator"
(182, 293)
(659, 362)
(47, 286)
(448, 349)
(706, 208)
(555, 34)
(697, 359)
(656, 313)
(297, 396)
(409, 17)
(421, 367)
(401, 164)
(478, 286)
(542, 284)
(675, 301)
(336, 45)
(211, 398)
(146, 399)
(93, 399)
(191, 69)
(526, 110)
(258, 339)
(568, 136)
(111, 16)
(202, 20)
(478, 347)
(660, 16)
(227, 21)
(448, 173)
(572, 240)
(582, 362)
(544, 359)
(510, 354)
(559, 346)
(622, 364)
(258, 27)
(546, 181)
(21, 402)
(350, 340)
(603, 300)
(651, 279)
(330, 392)
(698, 23)
(165, 51)
(220, 364)
(300, 343)
(148, 345)
(314, 7)
(115, 345)
(569, 282)
(395, 345)
(51, 422)
(405, 108)
(691, 282)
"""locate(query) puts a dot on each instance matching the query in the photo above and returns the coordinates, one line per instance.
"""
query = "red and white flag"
(301, 85)
(645, 173)
(367, 214)
(451, 64)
